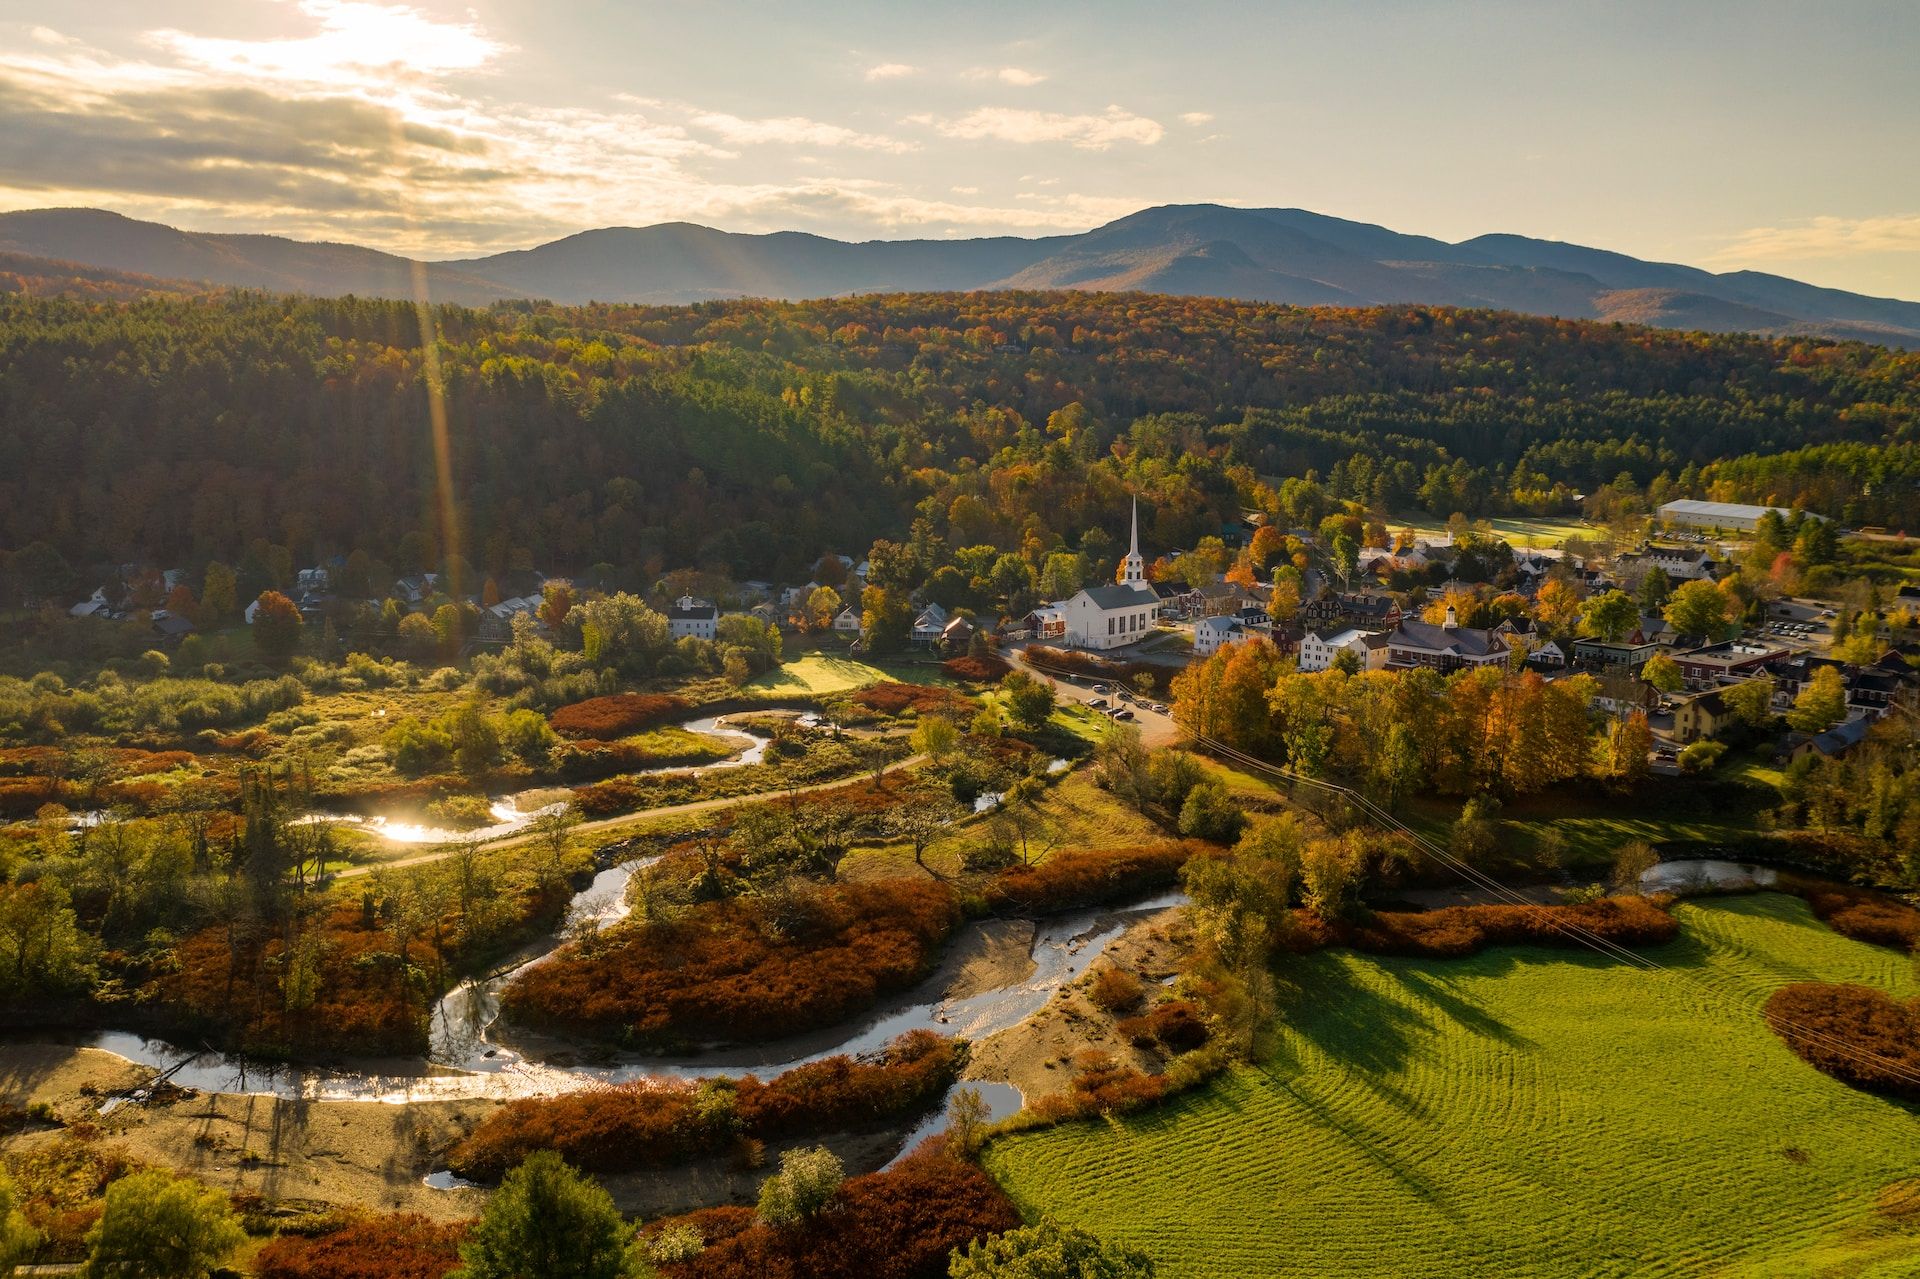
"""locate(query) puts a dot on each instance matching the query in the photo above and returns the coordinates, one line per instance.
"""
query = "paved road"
(1155, 729)
(608, 823)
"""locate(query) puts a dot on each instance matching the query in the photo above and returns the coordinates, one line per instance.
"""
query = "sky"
(1772, 135)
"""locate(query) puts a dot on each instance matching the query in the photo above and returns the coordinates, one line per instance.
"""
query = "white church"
(1117, 614)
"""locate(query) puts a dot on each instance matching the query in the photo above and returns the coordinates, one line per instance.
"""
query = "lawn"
(1545, 532)
(813, 675)
(1522, 1112)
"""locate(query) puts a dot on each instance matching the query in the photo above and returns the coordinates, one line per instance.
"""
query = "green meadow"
(1522, 1112)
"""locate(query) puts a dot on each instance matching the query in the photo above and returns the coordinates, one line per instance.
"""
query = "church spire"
(1134, 568)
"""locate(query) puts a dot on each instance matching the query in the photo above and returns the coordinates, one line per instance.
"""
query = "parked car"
(1123, 713)
(1103, 689)
(1098, 703)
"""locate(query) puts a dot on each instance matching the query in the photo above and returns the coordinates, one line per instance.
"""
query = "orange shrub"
(608, 718)
(921, 699)
(1456, 931)
(1179, 1025)
(399, 1245)
(1073, 881)
(726, 971)
(897, 1224)
(1860, 1035)
(1865, 916)
(988, 669)
(1113, 988)
(648, 1125)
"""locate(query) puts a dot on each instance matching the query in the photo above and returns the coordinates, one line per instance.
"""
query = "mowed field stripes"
(1521, 1112)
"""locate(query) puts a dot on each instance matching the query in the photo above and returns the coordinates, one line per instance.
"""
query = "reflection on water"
(1697, 874)
(509, 818)
(1001, 1101)
(467, 1060)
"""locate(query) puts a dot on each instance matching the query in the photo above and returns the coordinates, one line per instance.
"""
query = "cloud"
(793, 131)
(384, 125)
(1089, 132)
(1824, 237)
(1019, 77)
(891, 71)
(355, 43)
(1196, 118)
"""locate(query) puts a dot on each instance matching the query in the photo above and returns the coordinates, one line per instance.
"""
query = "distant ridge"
(1260, 255)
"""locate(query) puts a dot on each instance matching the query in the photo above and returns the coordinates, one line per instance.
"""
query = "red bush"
(396, 1246)
(1052, 660)
(1860, 1035)
(898, 1224)
(726, 970)
(921, 699)
(1073, 881)
(986, 670)
(613, 717)
(1865, 916)
(1178, 1025)
(647, 1125)
(1456, 931)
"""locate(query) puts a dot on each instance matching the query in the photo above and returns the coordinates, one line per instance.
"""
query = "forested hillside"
(753, 436)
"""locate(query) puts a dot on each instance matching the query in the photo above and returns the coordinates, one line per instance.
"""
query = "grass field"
(1523, 1112)
(1523, 531)
(815, 674)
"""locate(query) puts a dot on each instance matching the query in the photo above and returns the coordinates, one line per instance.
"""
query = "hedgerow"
(392, 1246)
(1455, 931)
(1076, 880)
(647, 1125)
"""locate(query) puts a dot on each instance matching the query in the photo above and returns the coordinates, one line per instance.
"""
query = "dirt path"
(609, 823)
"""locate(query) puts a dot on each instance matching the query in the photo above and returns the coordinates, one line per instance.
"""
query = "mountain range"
(1262, 255)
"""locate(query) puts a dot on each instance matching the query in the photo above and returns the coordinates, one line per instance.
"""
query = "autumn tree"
(1628, 745)
(277, 624)
(1663, 673)
(1610, 616)
(219, 595)
(1697, 608)
(1822, 702)
(1049, 1250)
(158, 1226)
(547, 1219)
(1028, 700)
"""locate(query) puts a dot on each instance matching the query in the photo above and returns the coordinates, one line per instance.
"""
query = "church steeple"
(1133, 568)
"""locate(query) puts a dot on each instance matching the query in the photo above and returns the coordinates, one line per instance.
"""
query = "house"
(928, 626)
(1318, 651)
(1690, 564)
(957, 634)
(1101, 617)
(1365, 609)
(413, 589)
(171, 627)
(697, 618)
(1716, 664)
(1542, 653)
(1047, 622)
(1177, 599)
(1210, 633)
(1447, 647)
(847, 621)
(1702, 716)
(1630, 652)
(1833, 743)
(95, 605)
